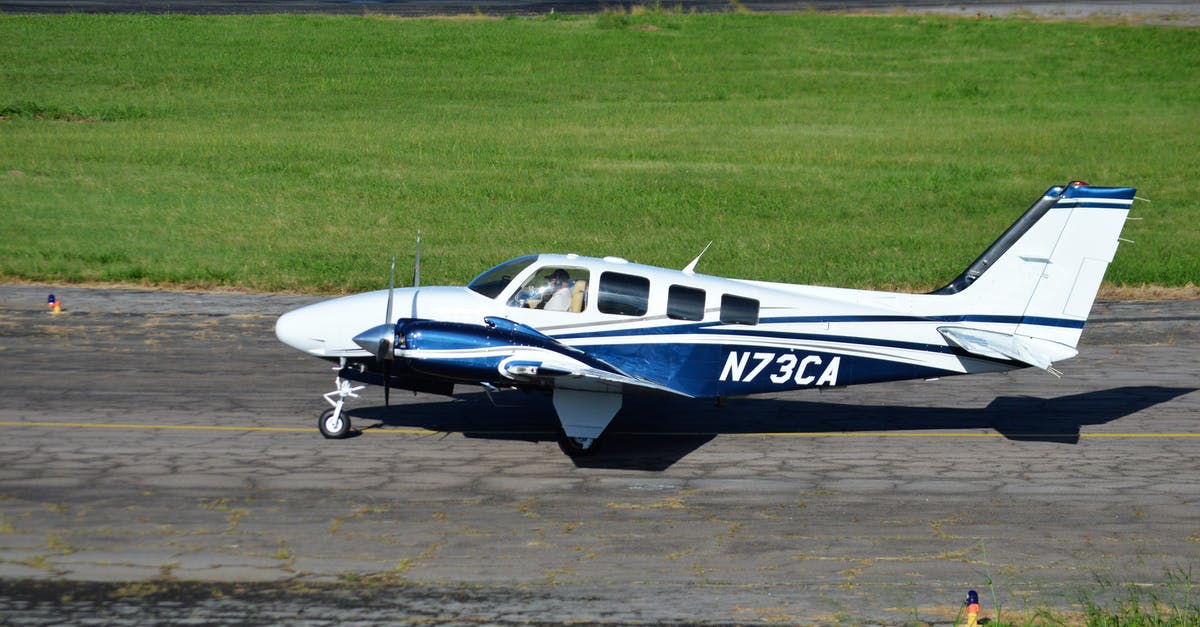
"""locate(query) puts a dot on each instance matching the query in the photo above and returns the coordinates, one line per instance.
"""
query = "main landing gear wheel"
(334, 424)
(576, 447)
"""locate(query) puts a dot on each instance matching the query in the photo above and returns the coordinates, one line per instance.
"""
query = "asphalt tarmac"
(1166, 12)
(160, 463)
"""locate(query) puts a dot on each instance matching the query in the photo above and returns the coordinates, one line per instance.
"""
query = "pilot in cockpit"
(558, 285)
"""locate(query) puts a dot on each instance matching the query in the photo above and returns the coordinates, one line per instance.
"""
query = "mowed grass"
(302, 152)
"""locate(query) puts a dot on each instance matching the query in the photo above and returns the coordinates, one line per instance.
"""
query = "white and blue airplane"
(591, 330)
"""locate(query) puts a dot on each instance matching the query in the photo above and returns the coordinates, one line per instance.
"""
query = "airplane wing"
(572, 375)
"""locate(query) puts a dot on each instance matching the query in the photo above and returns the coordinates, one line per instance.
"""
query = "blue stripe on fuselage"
(694, 368)
(697, 369)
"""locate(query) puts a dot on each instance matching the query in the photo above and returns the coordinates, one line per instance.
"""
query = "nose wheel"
(335, 423)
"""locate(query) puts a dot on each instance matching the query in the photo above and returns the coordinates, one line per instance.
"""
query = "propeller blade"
(387, 377)
(417, 263)
(387, 318)
(384, 349)
(379, 341)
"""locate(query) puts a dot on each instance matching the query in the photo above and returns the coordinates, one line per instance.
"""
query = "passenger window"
(685, 303)
(554, 289)
(738, 310)
(623, 294)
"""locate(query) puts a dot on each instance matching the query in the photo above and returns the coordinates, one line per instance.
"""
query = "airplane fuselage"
(701, 336)
(591, 330)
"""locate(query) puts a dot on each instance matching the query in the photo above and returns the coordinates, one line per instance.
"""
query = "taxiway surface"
(1165, 12)
(154, 438)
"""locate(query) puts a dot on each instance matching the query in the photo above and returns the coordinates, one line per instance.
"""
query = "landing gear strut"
(334, 423)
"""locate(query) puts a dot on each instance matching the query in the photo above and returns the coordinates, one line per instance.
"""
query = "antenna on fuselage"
(691, 267)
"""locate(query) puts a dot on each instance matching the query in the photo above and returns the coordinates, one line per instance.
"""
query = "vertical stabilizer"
(1041, 276)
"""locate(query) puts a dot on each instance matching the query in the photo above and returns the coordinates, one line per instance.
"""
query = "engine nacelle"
(499, 350)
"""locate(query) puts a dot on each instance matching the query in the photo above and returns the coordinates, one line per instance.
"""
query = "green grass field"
(302, 152)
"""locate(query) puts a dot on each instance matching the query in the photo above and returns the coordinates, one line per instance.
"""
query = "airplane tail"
(1028, 295)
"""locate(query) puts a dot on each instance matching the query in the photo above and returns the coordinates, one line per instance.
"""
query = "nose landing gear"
(334, 423)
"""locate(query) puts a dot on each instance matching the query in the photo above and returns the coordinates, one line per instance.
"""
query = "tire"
(333, 429)
(572, 448)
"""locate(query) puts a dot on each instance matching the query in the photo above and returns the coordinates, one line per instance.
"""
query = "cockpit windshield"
(492, 282)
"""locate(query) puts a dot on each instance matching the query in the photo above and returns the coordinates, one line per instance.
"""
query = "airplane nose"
(327, 328)
(296, 329)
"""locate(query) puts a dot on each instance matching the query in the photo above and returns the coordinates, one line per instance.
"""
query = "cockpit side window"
(554, 288)
(492, 282)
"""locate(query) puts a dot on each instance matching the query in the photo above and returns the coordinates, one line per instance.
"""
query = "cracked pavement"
(161, 460)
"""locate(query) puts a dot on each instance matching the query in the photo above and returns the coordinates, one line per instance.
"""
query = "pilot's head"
(557, 278)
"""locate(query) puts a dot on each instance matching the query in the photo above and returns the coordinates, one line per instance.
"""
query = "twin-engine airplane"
(592, 330)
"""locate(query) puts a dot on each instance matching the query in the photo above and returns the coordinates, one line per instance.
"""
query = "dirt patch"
(1149, 292)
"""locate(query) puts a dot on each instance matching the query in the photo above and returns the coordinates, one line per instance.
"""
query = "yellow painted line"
(392, 431)
(109, 425)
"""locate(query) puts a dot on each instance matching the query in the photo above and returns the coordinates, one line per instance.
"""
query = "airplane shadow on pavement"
(654, 432)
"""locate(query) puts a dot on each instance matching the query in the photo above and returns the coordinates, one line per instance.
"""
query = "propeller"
(416, 264)
(385, 343)
(378, 339)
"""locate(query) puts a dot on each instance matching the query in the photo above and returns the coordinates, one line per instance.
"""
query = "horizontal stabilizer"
(1027, 350)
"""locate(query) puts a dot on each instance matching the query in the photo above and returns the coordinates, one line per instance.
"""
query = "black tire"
(333, 429)
(572, 448)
